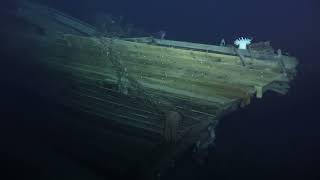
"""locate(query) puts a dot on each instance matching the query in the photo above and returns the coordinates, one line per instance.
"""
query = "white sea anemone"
(242, 43)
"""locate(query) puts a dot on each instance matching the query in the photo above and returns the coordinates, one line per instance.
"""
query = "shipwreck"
(157, 97)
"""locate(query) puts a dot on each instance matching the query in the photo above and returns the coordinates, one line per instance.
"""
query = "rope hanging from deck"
(125, 81)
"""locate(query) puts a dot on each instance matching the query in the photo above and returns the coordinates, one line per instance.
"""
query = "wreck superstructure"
(159, 96)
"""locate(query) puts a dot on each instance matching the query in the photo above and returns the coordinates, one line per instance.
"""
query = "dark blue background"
(273, 138)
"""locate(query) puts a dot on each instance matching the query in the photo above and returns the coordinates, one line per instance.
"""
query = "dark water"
(273, 138)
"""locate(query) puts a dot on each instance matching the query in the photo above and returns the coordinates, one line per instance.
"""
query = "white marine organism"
(242, 43)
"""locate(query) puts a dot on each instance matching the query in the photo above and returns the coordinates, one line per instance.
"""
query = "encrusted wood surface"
(201, 82)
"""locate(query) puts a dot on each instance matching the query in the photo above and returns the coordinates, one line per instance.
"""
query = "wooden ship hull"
(160, 96)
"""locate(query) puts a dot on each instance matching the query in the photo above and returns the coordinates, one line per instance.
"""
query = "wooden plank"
(164, 55)
(210, 49)
(187, 45)
(118, 118)
(28, 8)
(127, 107)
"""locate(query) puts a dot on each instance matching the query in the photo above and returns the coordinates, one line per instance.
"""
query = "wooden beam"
(28, 8)
(259, 91)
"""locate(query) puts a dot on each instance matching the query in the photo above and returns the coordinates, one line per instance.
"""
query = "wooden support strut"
(281, 63)
(240, 56)
(172, 119)
(259, 91)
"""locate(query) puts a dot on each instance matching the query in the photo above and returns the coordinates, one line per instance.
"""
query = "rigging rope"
(124, 79)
